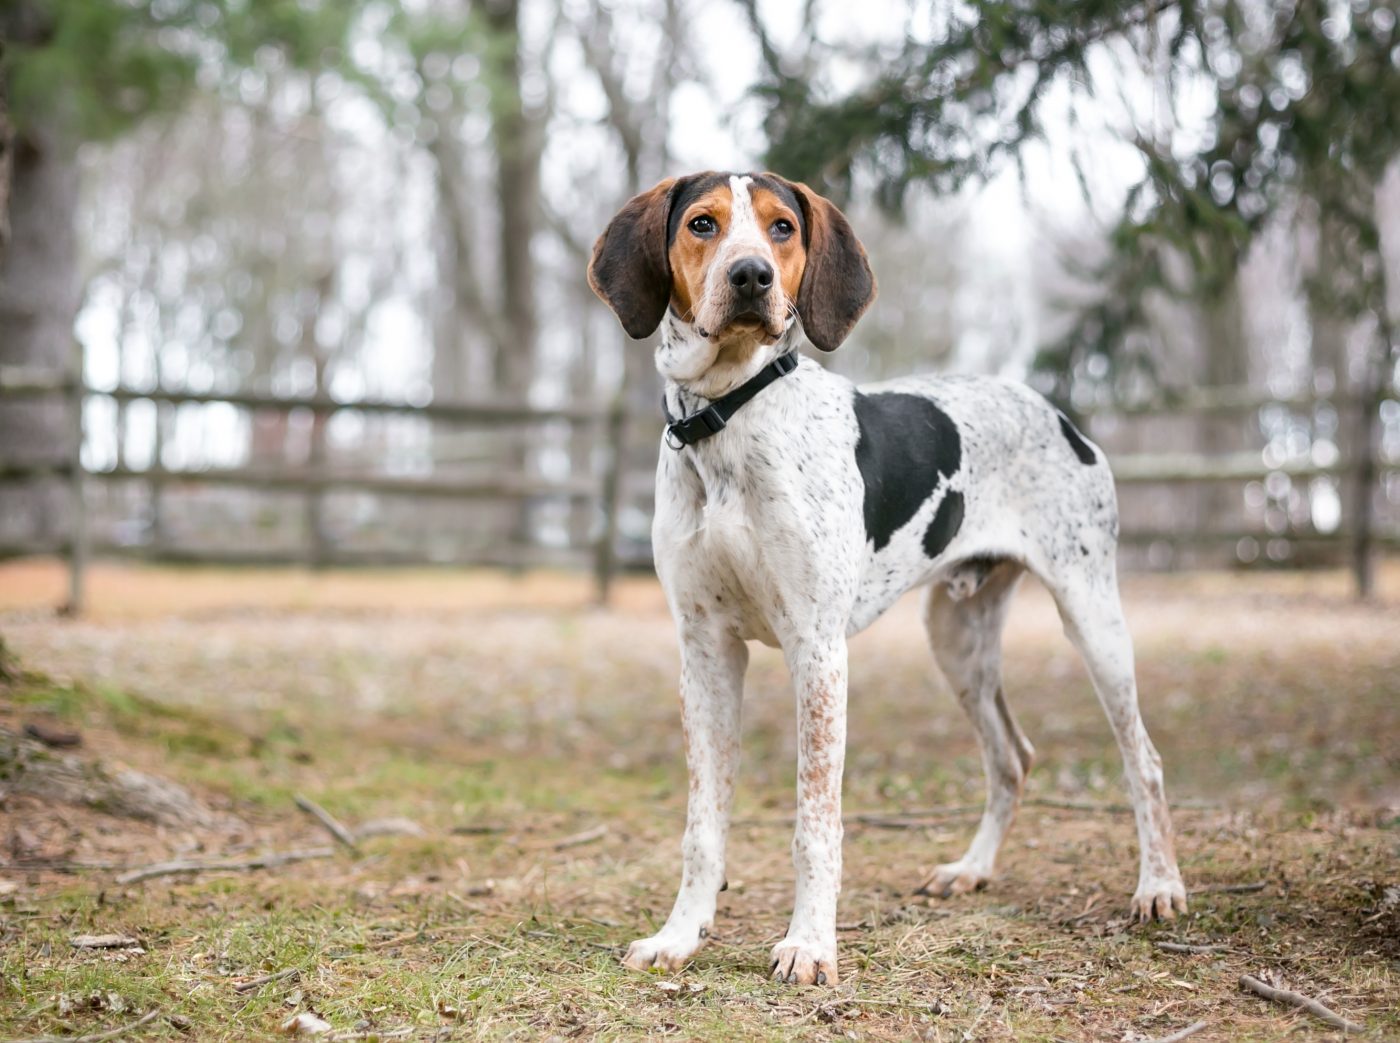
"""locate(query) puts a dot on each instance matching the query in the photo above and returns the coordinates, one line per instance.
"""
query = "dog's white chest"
(711, 548)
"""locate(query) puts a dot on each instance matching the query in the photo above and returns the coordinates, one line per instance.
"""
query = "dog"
(794, 508)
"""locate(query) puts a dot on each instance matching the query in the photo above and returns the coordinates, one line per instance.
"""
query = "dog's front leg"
(712, 690)
(808, 954)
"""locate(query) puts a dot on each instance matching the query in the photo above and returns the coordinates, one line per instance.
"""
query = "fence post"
(1368, 404)
(605, 561)
(317, 555)
(78, 533)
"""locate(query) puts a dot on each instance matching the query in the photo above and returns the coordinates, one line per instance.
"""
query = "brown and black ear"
(837, 284)
(630, 270)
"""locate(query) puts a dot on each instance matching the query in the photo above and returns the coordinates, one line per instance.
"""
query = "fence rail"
(605, 487)
(1213, 400)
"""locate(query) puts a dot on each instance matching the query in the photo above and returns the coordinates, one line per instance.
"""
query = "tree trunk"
(517, 139)
(7, 137)
(38, 302)
(1332, 359)
(517, 136)
(1226, 364)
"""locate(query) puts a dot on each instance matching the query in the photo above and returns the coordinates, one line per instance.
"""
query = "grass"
(516, 711)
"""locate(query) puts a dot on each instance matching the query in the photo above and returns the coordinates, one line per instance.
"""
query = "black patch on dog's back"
(907, 445)
(947, 520)
(1082, 449)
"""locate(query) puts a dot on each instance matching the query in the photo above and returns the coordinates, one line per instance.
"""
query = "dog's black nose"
(751, 278)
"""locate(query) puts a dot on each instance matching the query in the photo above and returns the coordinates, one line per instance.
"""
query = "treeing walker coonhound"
(794, 508)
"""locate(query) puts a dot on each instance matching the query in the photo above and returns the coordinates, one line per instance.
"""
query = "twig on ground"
(577, 941)
(424, 934)
(1232, 889)
(1192, 949)
(328, 821)
(919, 818)
(253, 984)
(934, 1007)
(1065, 804)
(49, 735)
(923, 818)
(876, 818)
(920, 821)
(59, 865)
(579, 839)
(398, 1033)
(476, 831)
(103, 941)
(268, 861)
(1177, 1037)
(95, 1037)
(1297, 999)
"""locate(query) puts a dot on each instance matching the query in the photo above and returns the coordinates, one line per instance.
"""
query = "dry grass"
(468, 700)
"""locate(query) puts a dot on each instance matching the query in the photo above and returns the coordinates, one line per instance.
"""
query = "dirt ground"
(533, 742)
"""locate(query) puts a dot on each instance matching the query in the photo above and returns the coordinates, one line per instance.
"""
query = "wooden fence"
(602, 489)
(313, 481)
(1361, 465)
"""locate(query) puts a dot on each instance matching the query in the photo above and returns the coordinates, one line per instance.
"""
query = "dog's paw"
(1159, 898)
(953, 878)
(667, 952)
(803, 963)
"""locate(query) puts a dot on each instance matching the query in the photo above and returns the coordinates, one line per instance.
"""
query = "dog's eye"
(782, 229)
(703, 226)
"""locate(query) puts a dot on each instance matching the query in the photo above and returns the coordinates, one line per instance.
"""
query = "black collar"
(711, 420)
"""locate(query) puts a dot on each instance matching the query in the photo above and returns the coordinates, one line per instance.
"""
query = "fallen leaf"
(305, 1024)
(446, 1008)
(388, 827)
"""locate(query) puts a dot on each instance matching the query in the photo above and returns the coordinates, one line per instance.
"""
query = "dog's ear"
(630, 270)
(837, 284)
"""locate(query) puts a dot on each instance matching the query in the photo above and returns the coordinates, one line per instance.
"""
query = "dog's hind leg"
(1092, 614)
(966, 636)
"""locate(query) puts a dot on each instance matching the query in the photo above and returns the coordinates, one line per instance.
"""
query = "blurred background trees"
(82, 73)
(395, 199)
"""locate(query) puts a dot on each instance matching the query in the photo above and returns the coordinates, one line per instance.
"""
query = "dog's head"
(737, 258)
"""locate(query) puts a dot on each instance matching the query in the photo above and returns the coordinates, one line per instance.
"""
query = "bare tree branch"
(1297, 999)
